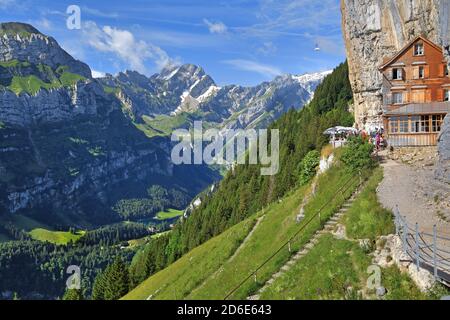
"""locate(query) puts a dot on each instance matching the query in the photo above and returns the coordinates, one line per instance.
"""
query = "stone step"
(285, 268)
(291, 262)
(309, 245)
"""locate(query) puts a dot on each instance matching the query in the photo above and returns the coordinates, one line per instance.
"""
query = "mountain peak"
(17, 28)
(23, 42)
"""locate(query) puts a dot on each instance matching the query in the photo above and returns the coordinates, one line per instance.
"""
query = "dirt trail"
(419, 196)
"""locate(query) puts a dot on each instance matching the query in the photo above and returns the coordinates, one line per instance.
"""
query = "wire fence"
(430, 251)
(354, 182)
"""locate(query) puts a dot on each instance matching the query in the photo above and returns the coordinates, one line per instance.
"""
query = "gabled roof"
(405, 48)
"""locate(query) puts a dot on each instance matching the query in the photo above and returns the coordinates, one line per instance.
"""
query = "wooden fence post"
(289, 245)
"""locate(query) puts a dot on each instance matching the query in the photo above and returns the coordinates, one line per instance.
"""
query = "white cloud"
(98, 13)
(216, 27)
(248, 65)
(125, 46)
(97, 74)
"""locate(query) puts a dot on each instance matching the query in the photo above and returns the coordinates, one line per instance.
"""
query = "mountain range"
(72, 147)
(178, 90)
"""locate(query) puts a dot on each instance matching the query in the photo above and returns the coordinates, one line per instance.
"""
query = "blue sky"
(236, 41)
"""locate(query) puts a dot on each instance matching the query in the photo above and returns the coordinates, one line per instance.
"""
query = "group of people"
(376, 138)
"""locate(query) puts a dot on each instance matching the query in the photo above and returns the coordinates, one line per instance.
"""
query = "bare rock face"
(443, 165)
(374, 30)
(25, 43)
(50, 106)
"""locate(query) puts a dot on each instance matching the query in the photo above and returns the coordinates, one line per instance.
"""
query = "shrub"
(308, 166)
(357, 154)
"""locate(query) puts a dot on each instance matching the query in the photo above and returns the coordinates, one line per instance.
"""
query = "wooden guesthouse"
(416, 87)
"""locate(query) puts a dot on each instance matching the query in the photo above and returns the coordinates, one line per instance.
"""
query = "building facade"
(416, 94)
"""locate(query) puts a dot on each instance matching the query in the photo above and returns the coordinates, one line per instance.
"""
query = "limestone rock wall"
(443, 166)
(375, 29)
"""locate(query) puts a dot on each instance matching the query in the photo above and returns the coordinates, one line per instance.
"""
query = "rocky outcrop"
(24, 43)
(443, 165)
(374, 30)
(50, 105)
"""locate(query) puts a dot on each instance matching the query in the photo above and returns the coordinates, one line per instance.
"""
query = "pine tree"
(113, 283)
(98, 289)
(73, 294)
(117, 281)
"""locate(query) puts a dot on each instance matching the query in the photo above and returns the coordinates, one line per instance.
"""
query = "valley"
(85, 163)
(111, 188)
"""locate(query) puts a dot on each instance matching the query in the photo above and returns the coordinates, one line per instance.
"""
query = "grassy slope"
(168, 214)
(38, 231)
(367, 219)
(32, 84)
(56, 237)
(340, 264)
(181, 277)
(162, 125)
(278, 225)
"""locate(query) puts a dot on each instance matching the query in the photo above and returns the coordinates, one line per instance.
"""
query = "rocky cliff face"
(443, 166)
(375, 29)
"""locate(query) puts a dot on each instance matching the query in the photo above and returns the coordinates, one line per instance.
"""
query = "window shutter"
(426, 71)
(440, 94)
(416, 73)
(441, 70)
(400, 74)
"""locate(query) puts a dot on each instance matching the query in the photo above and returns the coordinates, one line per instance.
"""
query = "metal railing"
(430, 251)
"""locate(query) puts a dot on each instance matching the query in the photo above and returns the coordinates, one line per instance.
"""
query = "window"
(421, 72)
(446, 95)
(403, 124)
(424, 123)
(415, 124)
(437, 122)
(418, 49)
(397, 74)
(397, 97)
(393, 124)
(446, 70)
